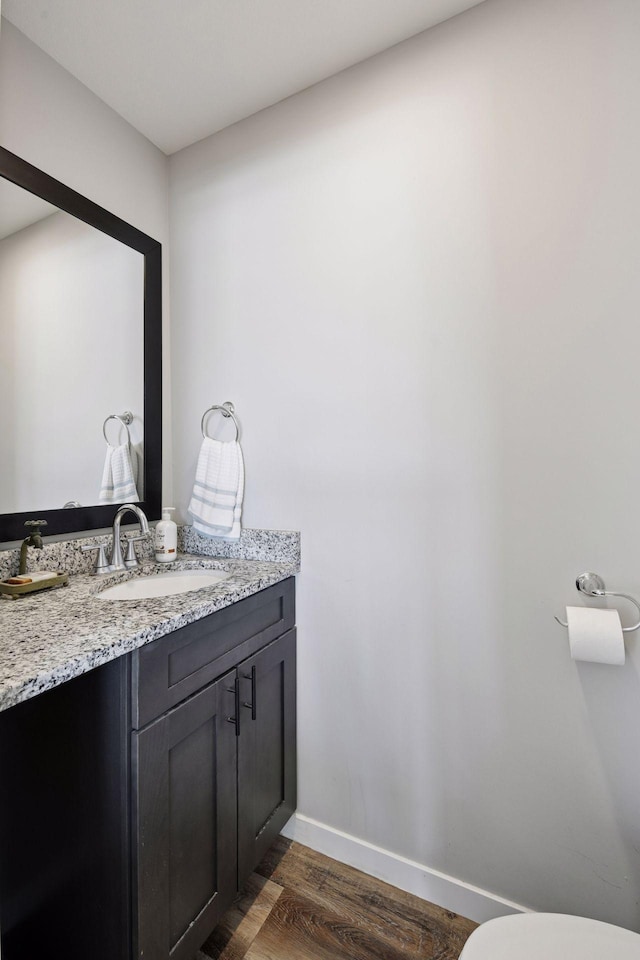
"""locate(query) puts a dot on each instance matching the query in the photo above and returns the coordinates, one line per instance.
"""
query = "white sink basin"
(163, 584)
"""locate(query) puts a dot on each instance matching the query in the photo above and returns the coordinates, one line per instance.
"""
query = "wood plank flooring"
(301, 905)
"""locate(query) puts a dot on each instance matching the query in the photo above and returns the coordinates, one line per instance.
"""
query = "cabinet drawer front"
(174, 667)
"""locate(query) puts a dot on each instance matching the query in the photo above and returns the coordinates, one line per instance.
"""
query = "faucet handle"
(102, 564)
(131, 560)
(35, 534)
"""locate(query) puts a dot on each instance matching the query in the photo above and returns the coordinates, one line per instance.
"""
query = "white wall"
(418, 282)
(68, 294)
(50, 119)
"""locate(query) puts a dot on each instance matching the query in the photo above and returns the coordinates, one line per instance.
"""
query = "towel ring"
(593, 586)
(227, 410)
(124, 419)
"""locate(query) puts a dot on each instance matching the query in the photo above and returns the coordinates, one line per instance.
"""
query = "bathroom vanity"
(138, 796)
(147, 747)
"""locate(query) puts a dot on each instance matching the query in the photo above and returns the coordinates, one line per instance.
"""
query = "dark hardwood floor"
(301, 905)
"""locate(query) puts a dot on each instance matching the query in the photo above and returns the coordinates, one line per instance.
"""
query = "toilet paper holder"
(593, 586)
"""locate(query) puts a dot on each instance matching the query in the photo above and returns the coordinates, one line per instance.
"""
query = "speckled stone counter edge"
(276, 546)
(71, 630)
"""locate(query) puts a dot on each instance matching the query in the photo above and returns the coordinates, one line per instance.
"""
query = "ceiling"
(179, 72)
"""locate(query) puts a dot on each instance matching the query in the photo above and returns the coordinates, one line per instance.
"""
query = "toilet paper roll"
(595, 635)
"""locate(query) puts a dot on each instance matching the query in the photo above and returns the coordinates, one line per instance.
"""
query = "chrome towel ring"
(227, 410)
(593, 586)
(125, 419)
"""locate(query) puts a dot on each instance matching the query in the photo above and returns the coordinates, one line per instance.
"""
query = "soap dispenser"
(166, 537)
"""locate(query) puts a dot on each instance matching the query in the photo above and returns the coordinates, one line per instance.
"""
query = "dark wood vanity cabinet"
(203, 759)
(214, 782)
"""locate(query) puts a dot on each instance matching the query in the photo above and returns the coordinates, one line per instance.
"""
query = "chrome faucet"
(117, 562)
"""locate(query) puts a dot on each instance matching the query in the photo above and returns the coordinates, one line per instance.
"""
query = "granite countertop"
(50, 637)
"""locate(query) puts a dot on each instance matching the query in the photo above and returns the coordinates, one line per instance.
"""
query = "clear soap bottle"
(166, 537)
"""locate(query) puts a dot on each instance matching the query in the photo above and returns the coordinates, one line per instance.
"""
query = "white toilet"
(550, 936)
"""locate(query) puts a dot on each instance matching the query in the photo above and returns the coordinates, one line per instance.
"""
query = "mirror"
(80, 365)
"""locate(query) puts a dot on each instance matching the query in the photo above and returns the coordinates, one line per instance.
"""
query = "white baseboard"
(422, 881)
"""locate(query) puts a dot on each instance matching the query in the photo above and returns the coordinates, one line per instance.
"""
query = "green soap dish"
(16, 590)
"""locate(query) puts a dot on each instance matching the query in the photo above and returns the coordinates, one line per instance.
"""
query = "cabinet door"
(266, 749)
(185, 823)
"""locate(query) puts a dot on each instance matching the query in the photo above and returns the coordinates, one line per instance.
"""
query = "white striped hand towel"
(118, 476)
(216, 501)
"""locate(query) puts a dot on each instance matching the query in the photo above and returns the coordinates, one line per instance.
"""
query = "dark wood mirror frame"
(78, 519)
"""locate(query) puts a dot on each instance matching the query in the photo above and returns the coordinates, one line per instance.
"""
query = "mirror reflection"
(71, 361)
